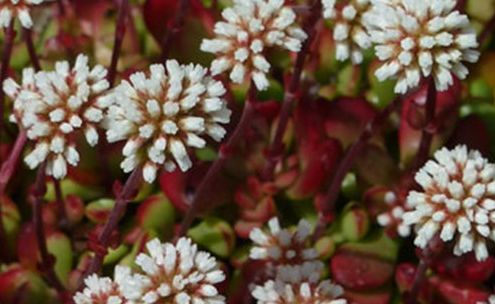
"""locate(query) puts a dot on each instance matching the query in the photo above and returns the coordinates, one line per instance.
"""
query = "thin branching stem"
(224, 155)
(175, 28)
(276, 147)
(126, 194)
(10, 34)
(28, 38)
(6, 172)
(428, 129)
(371, 129)
(47, 260)
(123, 14)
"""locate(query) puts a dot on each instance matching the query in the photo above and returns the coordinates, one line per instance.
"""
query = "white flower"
(163, 113)
(176, 274)
(250, 27)
(105, 290)
(393, 216)
(54, 106)
(11, 9)
(419, 38)
(457, 201)
(491, 300)
(298, 285)
(350, 35)
(283, 246)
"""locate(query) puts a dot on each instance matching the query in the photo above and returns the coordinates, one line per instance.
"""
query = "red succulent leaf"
(465, 267)
(256, 205)
(318, 155)
(174, 184)
(27, 247)
(360, 271)
(20, 285)
(318, 160)
(376, 166)
(345, 118)
(404, 278)
(413, 119)
(459, 292)
(380, 296)
(463, 134)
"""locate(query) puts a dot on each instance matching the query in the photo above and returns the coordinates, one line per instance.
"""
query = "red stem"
(126, 194)
(59, 199)
(461, 6)
(224, 154)
(119, 39)
(175, 28)
(433, 250)
(487, 31)
(47, 260)
(371, 130)
(428, 130)
(276, 148)
(28, 38)
(6, 172)
(4, 68)
(9, 166)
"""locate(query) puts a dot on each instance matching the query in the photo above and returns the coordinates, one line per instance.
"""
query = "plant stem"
(59, 197)
(461, 6)
(47, 260)
(175, 28)
(120, 30)
(428, 132)
(276, 147)
(61, 8)
(28, 38)
(126, 194)
(7, 54)
(487, 31)
(9, 165)
(371, 129)
(224, 154)
(6, 172)
(432, 250)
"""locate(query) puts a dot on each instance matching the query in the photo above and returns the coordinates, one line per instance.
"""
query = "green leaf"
(214, 234)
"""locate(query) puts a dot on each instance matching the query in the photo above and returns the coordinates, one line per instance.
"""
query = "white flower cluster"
(11, 9)
(420, 38)
(54, 106)
(298, 284)
(457, 201)
(283, 246)
(105, 290)
(170, 274)
(393, 217)
(163, 113)
(250, 27)
(293, 264)
(349, 33)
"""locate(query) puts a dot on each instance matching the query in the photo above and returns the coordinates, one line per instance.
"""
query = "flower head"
(105, 290)
(283, 246)
(349, 32)
(11, 9)
(250, 27)
(392, 217)
(177, 274)
(421, 38)
(457, 201)
(163, 113)
(298, 285)
(54, 106)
